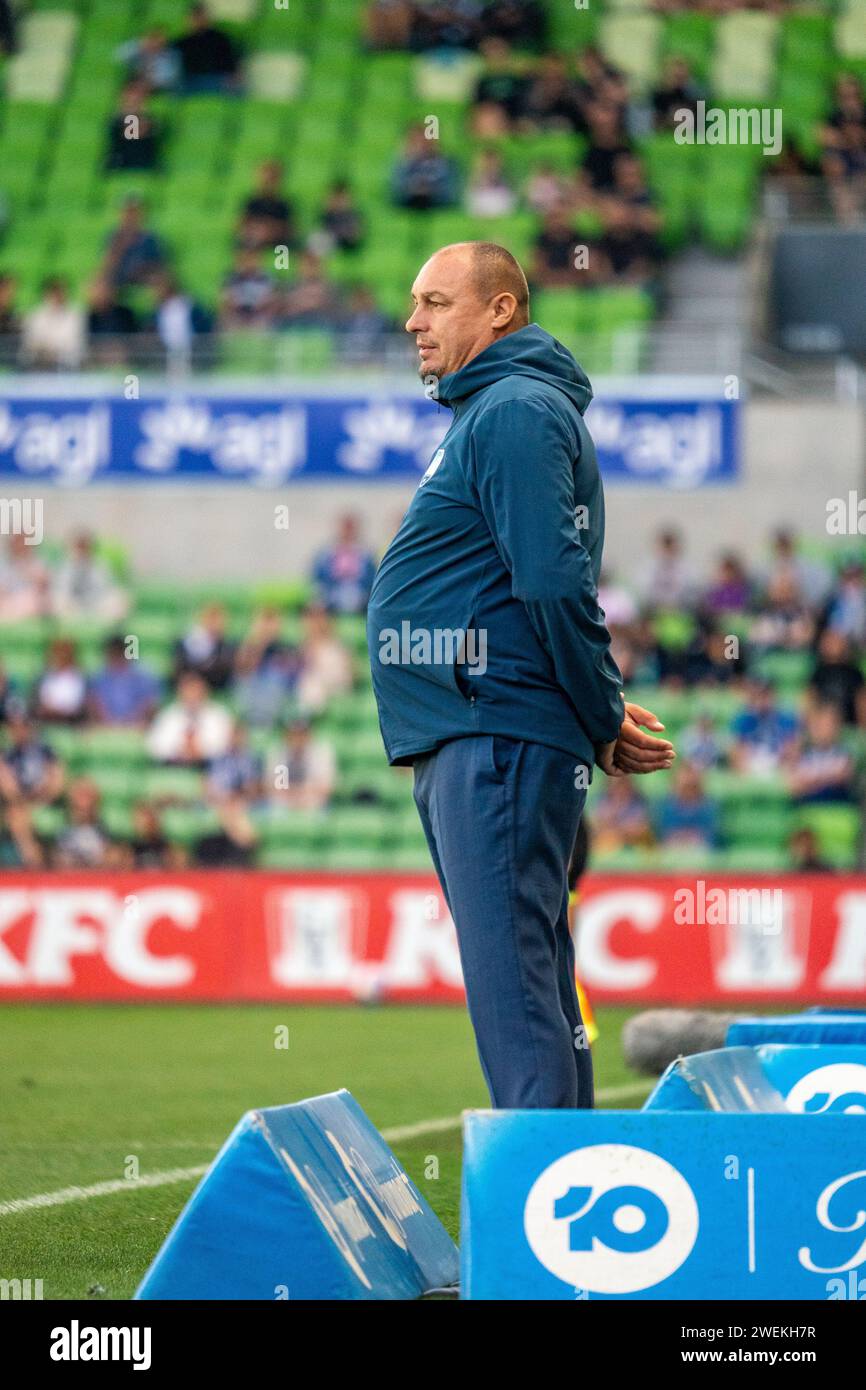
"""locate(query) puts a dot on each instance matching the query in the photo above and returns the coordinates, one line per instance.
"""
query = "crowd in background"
(673, 628)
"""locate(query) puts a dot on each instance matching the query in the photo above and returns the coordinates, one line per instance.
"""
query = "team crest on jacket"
(432, 466)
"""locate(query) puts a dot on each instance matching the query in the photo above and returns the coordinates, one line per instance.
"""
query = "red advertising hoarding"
(267, 936)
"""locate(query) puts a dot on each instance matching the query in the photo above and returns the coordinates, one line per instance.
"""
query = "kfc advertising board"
(268, 936)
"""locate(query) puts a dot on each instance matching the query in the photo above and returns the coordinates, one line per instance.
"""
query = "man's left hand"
(637, 752)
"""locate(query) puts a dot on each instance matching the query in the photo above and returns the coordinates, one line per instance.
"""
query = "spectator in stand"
(607, 144)
(133, 135)
(236, 773)
(10, 697)
(805, 852)
(629, 254)
(8, 38)
(266, 672)
(343, 573)
(133, 254)
(699, 743)
(31, 775)
(598, 80)
(811, 580)
(151, 60)
(676, 92)
(364, 328)
(341, 223)
(519, 22)
(843, 138)
(25, 583)
(60, 696)
(179, 322)
(546, 189)
(10, 323)
(837, 679)
(822, 768)
(209, 58)
(206, 650)
(249, 295)
(388, 23)
(233, 845)
(763, 736)
(149, 848)
(711, 658)
(668, 582)
(85, 587)
(687, 816)
(550, 100)
(110, 324)
(620, 818)
(553, 255)
(489, 192)
(423, 178)
(784, 621)
(304, 771)
(193, 729)
(267, 218)
(444, 24)
(53, 335)
(124, 692)
(845, 608)
(730, 590)
(84, 843)
(326, 664)
(499, 91)
(311, 300)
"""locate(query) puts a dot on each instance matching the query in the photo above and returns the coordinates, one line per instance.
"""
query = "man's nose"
(413, 323)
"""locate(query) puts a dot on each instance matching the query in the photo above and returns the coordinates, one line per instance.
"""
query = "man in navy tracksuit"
(491, 662)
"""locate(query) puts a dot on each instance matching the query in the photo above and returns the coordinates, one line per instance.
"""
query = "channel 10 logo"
(611, 1219)
(837, 1089)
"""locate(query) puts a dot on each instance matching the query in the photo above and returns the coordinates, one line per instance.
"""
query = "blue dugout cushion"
(813, 1026)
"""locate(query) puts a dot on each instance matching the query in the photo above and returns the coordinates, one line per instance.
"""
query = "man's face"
(450, 322)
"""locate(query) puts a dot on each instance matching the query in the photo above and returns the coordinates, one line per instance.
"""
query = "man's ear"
(504, 308)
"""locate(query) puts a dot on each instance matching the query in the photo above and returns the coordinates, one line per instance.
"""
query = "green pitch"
(95, 1094)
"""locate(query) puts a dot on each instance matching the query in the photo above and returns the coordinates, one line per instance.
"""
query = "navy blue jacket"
(502, 541)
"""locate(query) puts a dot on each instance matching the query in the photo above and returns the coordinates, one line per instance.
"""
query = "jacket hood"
(528, 352)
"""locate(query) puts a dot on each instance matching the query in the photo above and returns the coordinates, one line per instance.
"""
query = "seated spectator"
(822, 768)
(630, 190)
(545, 190)
(148, 848)
(25, 583)
(499, 91)
(598, 81)
(686, 816)
(249, 296)
(343, 573)
(810, 579)
(364, 328)
(730, 590)
(206, 650)
(151, 60)
(676, 92)
(519, 22)
(124, 692)
(233, 845)
(267, 219)
(837, 679)
(60, 696)
(109, 325)
(607, 144)
(31, 775)
(763, 735)
(488, 192)
(10, 697)
(53, 334)
(388, 23)
(423, 177)
(784, 621)
(209, 58)
(266, 672)
(844, 143)
(193, 729)
(179, 322)
(8, 28)
(616, 600)
(341, 222)
(845, 608)
(668, 581)
(620, 818)
(310, 300)
(630, 253)
(10, 323)
(85, 587)
(805, 852)
(133, 135)
(700, 745)
(304, 771)
(550, 99)
(133, 254)
(235, 773)
(326, 664)
(84, 843)
(444, 24)
(710, 658)
(553, 255)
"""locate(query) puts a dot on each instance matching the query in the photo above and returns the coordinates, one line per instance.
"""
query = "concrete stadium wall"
(796, 457)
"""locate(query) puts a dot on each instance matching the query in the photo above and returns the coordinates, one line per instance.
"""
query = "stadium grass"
(86, 1090)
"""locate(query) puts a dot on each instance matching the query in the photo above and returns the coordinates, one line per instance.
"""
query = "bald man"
(491, 662)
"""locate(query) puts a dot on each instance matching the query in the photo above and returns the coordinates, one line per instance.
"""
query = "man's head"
(466, 297)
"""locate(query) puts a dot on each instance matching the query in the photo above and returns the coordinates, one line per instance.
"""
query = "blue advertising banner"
(572, 1204)
(271, 440)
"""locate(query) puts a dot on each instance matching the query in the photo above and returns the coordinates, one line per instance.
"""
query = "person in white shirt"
(53, 334)
(326, 664)
(193, 729)
(303, 771)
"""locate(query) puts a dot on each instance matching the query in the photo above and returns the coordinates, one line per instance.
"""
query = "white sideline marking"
(394, 1135)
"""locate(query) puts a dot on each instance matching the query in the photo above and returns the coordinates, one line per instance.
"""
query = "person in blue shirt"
(491, 661)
